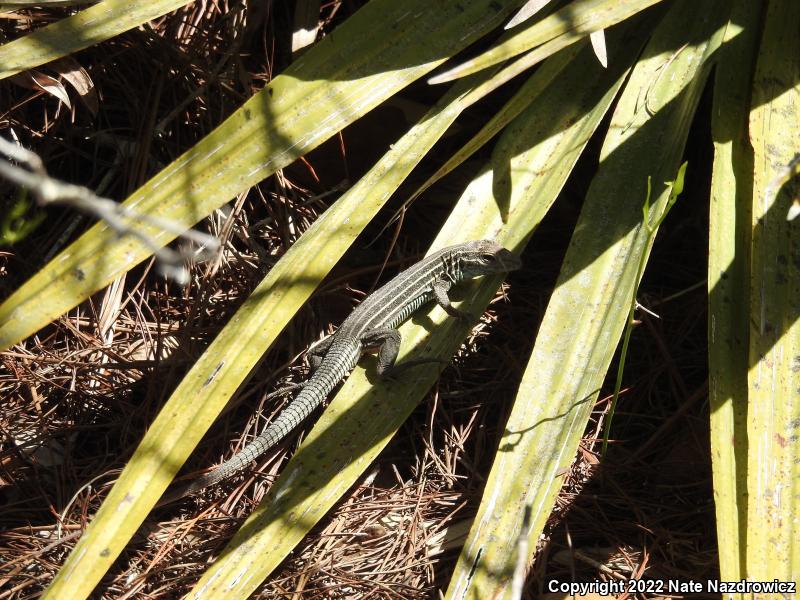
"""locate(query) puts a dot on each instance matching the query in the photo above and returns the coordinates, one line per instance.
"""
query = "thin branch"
(48, 190)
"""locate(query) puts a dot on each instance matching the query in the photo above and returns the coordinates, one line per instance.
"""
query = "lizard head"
(484, 257)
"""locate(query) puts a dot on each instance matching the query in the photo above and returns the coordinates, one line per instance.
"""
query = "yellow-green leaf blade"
(354, 428)
(522, 98)
(90, 26)
(362, 417)
(333, 84)
(223, 367)
(511, 109)
(729, 282)
(576, 20)
(589, 308)
(349, 435)
(773, 469)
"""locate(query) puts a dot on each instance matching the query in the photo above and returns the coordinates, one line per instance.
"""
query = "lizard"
(372, 324)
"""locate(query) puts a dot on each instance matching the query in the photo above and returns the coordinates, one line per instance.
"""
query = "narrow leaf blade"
(90, 26)
(337, 81)
(773, 415)
(589, 308)
(576, 20)
(222, 368)
(729, 281)
(365, 414)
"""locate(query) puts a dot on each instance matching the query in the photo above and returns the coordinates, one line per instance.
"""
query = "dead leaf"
(36, 80)
(78, 78)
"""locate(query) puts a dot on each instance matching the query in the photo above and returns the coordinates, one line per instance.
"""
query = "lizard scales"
(372, 324)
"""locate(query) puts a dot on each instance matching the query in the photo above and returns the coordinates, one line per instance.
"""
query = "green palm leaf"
(378, 51)
(773, 408)
(545, 126)
(95, 24)
(589, 308)
(551, 132)
(728, 279)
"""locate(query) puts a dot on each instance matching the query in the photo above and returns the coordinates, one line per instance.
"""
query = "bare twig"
(48, 190)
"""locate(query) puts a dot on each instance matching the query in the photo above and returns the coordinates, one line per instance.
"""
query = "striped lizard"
(373, 324)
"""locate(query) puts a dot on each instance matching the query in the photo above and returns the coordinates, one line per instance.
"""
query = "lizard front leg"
(440, 289)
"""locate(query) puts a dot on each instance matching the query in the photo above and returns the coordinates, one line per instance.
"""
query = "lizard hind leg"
(315, 356)
(318, 352)
(286, 389)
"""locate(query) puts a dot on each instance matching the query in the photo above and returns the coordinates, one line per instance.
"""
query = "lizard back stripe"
(385, 308)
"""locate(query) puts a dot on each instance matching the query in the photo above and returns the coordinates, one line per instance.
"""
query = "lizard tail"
(302, 406)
